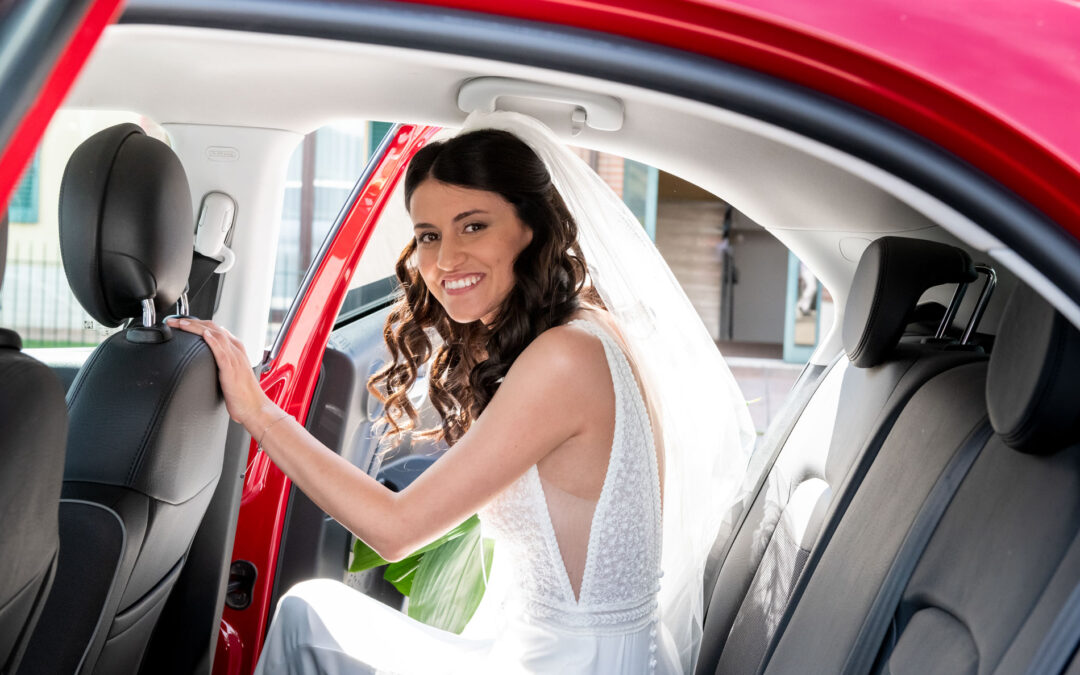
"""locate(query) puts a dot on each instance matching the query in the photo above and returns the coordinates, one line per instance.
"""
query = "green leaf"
(402, 573)
(450, 581)
(489, 555)
(364, 557)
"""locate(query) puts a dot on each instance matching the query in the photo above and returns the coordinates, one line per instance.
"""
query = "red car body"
(991, 83)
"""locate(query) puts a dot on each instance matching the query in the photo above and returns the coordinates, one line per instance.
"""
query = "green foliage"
(402, 573)
(444, 580)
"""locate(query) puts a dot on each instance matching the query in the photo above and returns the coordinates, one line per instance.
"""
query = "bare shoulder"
(567, 353)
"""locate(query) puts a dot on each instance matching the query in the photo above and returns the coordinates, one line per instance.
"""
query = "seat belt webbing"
(1061, 640)
(203, 286)
(868, 642)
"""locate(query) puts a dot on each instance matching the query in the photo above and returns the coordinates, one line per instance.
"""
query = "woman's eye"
(475, 227)
(426, 237)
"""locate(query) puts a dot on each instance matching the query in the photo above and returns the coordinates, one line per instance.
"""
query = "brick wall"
(610, 167)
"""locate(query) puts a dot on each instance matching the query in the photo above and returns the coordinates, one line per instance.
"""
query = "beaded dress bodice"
(622, 563)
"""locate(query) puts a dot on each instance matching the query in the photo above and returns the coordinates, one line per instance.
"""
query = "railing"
(36, 301)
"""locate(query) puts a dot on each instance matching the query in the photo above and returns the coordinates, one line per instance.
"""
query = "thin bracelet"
(267, 427)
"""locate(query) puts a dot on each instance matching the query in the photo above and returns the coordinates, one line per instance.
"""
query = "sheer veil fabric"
(707, 432)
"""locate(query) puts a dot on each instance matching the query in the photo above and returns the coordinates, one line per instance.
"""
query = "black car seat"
(33, 431)
(979, 590)
(839, 429)
(147, 419)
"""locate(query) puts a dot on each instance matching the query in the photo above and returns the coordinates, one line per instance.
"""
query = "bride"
(591, 423)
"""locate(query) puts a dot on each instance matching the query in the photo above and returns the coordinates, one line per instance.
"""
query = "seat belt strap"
(868, 642)
(1061, 640)
(204, 286)
(213, 234)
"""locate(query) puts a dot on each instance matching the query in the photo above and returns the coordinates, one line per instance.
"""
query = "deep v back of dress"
(620, 559)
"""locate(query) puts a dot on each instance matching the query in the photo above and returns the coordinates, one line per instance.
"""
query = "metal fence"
(36, 301)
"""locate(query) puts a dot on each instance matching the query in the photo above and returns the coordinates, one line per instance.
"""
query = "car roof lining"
(806, 193)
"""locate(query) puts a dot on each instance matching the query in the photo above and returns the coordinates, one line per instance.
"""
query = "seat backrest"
(1006, 551)
(147, 418)
(843, 422)
(33, 431)
(1006, 554)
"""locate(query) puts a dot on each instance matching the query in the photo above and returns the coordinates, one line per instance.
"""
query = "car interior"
(914, 508)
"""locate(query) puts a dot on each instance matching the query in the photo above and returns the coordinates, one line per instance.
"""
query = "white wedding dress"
(612, 626)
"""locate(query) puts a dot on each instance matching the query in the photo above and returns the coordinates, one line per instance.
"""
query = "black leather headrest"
(126, 224)
(1032, 386)
(9, 339)
(892, 275)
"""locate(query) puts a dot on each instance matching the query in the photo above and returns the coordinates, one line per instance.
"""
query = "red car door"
(289, 378)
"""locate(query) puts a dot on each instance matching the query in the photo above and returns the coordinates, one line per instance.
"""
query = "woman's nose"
(451, 254)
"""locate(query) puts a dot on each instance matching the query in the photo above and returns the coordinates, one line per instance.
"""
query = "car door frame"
(290, 375)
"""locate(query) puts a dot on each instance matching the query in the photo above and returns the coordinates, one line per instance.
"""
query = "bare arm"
(532, 413)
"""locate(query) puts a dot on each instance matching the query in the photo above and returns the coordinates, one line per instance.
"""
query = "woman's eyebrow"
(461, 216)
(466, 214)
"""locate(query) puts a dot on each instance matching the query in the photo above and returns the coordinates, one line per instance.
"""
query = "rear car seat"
(840, 429)
(33, 432)
(998, 565)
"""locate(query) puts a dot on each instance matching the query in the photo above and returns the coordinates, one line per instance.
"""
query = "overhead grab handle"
(598, 111)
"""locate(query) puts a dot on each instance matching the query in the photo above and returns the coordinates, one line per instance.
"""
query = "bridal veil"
(706, 428)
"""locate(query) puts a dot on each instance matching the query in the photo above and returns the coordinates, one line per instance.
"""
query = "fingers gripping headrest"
(1032, 387)
(892, 275)
(126, 224)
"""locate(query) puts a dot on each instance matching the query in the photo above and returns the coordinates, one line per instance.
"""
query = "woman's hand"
(244, 397)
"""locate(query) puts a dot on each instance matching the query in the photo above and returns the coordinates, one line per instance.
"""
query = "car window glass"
(35, 299)
(322, 173)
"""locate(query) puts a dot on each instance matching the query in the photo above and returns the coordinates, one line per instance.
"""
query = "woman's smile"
(459, 285)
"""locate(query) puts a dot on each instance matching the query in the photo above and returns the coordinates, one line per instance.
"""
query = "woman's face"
(466, 244)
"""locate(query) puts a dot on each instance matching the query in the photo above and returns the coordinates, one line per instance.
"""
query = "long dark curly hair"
(549, 286)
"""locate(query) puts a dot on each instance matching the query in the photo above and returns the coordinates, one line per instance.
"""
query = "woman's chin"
(463, 316)
(468, 312)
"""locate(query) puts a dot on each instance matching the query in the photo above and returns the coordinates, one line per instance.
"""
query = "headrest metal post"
(182, 304)
(148, 313)
(980, 304)
(950, 313)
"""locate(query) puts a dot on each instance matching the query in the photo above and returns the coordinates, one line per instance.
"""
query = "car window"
(322, 173)
(35, 299)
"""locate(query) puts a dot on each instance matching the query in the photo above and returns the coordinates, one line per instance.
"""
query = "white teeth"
(461, 283)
